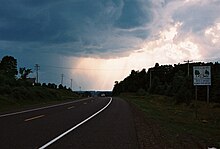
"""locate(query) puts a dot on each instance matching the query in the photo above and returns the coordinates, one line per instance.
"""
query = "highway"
(88, 123)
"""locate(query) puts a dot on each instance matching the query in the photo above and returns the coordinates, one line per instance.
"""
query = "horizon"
(33, 74)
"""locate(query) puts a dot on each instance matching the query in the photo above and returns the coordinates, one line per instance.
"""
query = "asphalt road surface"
(92, 123)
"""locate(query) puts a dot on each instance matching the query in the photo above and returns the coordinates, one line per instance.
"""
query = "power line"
(209, 59)
(101, 69)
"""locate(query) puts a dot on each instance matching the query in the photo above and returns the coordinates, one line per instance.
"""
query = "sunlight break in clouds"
(95, 72)
(167, 49)
(168, 43)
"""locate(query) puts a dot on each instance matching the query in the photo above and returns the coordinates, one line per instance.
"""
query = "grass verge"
(24, 97)
(180, 121)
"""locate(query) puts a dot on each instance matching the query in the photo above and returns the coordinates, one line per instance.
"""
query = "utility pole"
(71, 83)
(37, 67)
(188, 66)
(150, 78)
(150, 70)
(62, 75)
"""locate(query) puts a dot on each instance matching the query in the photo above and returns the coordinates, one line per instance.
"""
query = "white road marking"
(33, 118)
(71, 129)
(41, 108)
(71, 107)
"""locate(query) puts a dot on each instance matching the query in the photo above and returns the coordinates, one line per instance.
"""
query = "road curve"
(111, 128)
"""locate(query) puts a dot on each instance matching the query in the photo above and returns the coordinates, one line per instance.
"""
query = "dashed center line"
(85, 103)
(33, 118)
(71, 107)
(74, 127)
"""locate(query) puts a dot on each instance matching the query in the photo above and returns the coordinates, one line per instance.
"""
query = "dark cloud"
(22, 23)
(49, 32)
(70, 26)
(133, 15)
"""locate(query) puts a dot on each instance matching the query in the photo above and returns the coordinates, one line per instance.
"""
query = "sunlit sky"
(98, 42)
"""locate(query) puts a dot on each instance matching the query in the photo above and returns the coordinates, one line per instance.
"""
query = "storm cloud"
(73, 27)
(91, 34)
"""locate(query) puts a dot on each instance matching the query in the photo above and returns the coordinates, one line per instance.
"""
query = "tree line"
(170, 81)
(16, 84)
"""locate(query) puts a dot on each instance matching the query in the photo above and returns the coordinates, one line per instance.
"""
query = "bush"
(5, 89)
(21, 93)
(60, 86)
(37, 84)
(141, 92)
(183, 96)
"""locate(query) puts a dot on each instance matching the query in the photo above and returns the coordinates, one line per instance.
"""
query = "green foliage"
(132, 83)
(19, 93)
(141, 92)
(155, 85)
(8, 66)
(52, 85)
(23, 89)
(5, 90)
(44, 85)
(179, 120)
(171, 81)
(60, 86)
(24, 72)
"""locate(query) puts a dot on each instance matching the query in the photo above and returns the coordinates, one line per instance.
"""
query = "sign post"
(201, 77)
(208, 94)
(196, 101)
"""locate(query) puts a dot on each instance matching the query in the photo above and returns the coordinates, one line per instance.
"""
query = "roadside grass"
(178, 120)
(26, 97)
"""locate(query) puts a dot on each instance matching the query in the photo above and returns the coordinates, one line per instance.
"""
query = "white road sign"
(202, 75)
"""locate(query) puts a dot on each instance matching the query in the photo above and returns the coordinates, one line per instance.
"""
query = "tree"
(44, 85)
(52, 85)
(24, 72)
(8, 66)
(156, 65)
(60, 86)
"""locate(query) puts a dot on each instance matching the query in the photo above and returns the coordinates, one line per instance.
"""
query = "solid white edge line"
(41, 108)
(71, 129)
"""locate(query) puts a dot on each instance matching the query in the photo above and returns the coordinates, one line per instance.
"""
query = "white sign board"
(202, 75)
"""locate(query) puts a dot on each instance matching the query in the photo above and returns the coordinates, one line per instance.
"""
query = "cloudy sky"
(96, 42)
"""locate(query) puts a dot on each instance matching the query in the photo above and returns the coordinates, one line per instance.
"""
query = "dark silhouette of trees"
(52, 85)
(171, 81)
(24, 72)
(60, 86)
(87, 94)
(8, 66)
(9, 79)
(8, 71)
(21, 88)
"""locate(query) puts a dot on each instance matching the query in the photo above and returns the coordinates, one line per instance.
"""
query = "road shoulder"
(151, 135)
